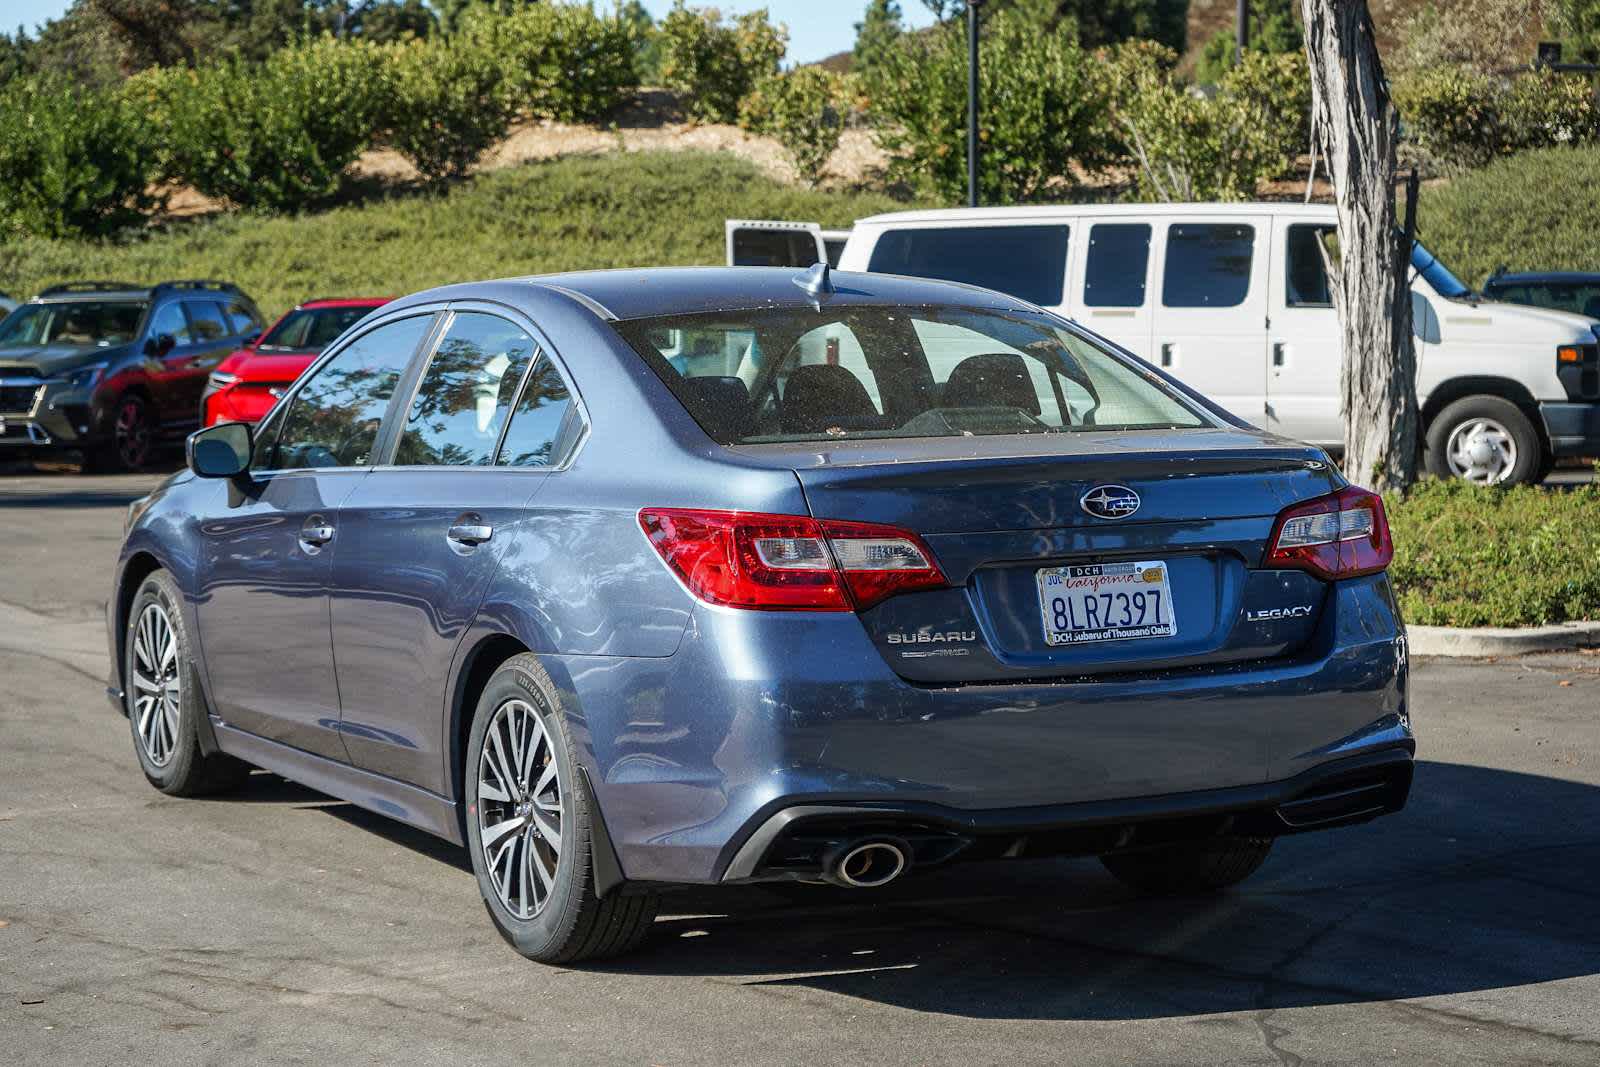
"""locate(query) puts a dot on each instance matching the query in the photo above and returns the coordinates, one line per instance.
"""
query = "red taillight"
(745, 559)
(1341, 535)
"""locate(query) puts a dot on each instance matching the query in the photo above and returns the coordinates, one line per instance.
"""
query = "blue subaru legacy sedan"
(628, 580)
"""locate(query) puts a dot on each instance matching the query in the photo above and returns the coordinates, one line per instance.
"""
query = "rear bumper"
(1574, 429)
(759, 713)
(795, 841)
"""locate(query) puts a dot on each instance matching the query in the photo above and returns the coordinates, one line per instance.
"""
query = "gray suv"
(111, 369)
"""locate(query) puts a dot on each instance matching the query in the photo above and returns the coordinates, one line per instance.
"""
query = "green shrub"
(278, 135)
(1042, 112)
(560, 61)
(1466, 555)
(1537, 210)
(1460, 118)
(72, 160)
(804, 110)
(1186, 146)
(446, 104)
(713, 64)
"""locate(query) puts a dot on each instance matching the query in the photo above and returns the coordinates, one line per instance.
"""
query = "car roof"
(345, 302)
(661, 291)
(1045, 212)
(1535, 276)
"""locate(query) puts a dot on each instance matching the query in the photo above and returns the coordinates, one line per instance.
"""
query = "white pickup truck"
(1233, 299)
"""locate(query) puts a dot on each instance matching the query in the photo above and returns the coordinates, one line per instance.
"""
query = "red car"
(244, 386)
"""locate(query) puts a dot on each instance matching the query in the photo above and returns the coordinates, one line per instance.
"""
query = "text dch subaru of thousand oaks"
(637, 579)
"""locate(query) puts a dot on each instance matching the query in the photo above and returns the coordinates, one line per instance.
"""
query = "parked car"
(1574, 291)
(244, 386)
(7, 305)
(911, 573)
(1233, 299)
(111, 369)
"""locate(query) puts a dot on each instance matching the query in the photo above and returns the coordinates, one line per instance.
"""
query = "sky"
(817, 28)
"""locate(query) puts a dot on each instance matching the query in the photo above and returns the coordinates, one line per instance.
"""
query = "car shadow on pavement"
(1488, 879)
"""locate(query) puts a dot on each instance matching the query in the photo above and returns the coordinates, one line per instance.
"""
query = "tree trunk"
(1356, 129)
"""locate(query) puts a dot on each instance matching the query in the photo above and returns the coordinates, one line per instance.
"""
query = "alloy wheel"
(1481, 450)
(519, 808)
(132, 432)
(157, 684)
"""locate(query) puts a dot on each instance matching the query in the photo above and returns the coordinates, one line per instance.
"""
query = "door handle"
(1169, 353)
(1280, 353)
(316, 532)
(469, 534)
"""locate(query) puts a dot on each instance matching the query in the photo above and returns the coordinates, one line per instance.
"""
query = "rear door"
(1211, 308)
(268, 551)
(1303, 353)
(770, 243)
(489, 417)
(211, 340)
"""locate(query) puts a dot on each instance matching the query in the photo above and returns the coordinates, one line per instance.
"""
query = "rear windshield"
(311, 329)
(86, 323)
(749, 377)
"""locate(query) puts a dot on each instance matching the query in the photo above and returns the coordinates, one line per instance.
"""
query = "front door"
(1211, 308)
(424, 536)
(1303, 341)
(268, 549)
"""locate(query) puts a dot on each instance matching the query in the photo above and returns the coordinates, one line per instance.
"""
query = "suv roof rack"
(91, 287)
(198, 283)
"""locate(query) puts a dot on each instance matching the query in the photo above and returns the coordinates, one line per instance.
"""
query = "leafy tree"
(1576, 20)
(647, 47)
(1274, 29)
(803, 109)
(714, 64)
(880, 27)
(1095, 22)
(444, 106)
(1487, 36)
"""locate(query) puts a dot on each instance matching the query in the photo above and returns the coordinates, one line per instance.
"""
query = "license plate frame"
(1137, 596)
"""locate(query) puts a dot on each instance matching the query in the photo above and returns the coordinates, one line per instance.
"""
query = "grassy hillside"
(623, 209)
(1532, 211)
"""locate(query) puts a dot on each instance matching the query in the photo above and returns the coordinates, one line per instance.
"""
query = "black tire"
(1530, 452)
(1190, 867)
(132, 444)
(570, 923)
(165, 729)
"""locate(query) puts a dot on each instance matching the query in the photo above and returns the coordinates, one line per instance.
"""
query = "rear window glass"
(1208, 265)
(800, 375)
(1119, 256)
(1028, 262)
(774, 248)
(311, 329)
(1306, 276)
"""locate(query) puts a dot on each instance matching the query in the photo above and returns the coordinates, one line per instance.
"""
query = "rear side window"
(774, 248)
(545, 425)
(169, 320)
(465, 394)
(334, 417)
(1208, 265)
(1119, 259)
(242, 318)
(205, 318)
(1305, 273)
(1029, 262)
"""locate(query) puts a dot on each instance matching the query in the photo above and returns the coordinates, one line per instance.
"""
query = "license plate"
(1106, 602)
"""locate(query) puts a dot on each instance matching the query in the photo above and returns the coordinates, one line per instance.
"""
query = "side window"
(545, 425)
(465, 393)
(1305, 274)
(1208, 265)
(242, 319)
(169, 319)
(1119, 259)
(333, 419)
(205, 319)
(1023, 261)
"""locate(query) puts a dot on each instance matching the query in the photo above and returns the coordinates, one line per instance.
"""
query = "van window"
(1306, 276)
(774, 248)
(1208, 265)
(1119, 255)
(1029, 262)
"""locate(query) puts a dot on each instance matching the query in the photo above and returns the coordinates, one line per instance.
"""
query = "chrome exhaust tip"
(869, 863)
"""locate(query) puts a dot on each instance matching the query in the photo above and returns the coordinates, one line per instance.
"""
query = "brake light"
(788, 562)
(1341, 535)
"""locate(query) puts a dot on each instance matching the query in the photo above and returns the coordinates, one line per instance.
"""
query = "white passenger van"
(1233, 300)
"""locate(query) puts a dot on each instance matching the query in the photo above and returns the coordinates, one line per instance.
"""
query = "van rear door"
(773, 243)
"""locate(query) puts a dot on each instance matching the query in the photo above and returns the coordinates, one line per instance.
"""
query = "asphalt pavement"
(280, 926)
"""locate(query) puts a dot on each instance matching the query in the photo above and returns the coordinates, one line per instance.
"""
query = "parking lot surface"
(280, 926)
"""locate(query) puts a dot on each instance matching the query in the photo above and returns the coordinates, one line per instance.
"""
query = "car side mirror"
(160, 345)
(220, 451)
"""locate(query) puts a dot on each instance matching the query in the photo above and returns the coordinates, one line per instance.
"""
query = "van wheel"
(1190, 867)
(1484, 439)
(529, 819)
(163, 698)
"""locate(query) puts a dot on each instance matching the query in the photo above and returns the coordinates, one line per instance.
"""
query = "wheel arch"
(139, 566)
(1453, 389)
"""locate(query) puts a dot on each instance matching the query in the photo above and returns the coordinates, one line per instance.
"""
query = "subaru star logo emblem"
(1110, 502)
